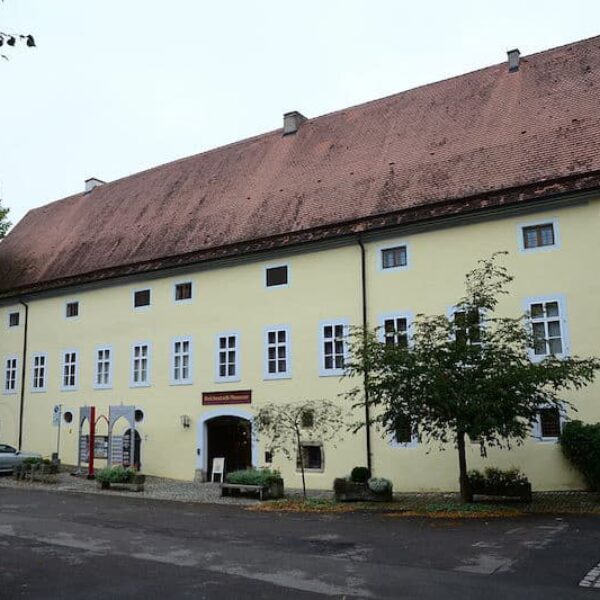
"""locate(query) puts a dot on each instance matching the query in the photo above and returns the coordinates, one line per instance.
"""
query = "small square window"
(183, 291)
(312, 456)
(72, 309)
(277, 276)
(538, 236)
(14, 319)
(392, 258)
(404, 432)
(141, 298)
(308, 419)
(549, 422)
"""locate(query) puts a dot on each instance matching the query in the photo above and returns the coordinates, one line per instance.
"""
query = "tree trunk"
(301, 455)
(465, 488)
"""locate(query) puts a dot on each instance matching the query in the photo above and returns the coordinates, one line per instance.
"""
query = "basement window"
(313, 457)
(13, 319)
(276, 276)
(141, 298)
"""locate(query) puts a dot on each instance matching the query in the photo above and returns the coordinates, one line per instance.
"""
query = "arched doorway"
(229, 437)
(132, 453)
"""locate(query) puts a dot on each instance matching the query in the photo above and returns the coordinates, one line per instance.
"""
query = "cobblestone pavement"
(155, 488)
(186, 491)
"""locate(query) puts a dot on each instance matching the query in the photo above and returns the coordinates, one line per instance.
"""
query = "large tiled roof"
(465, 143)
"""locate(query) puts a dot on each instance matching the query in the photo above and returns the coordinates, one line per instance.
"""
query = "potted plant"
(360, 487)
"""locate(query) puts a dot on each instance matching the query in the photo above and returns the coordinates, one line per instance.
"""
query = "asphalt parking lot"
(61, 545)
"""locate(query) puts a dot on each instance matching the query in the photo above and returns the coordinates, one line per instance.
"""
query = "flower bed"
(268, 483)
(495, 482)
(120, 478)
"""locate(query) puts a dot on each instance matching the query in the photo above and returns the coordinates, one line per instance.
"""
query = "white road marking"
(592, 579)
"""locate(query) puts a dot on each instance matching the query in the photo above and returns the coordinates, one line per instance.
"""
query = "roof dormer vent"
(292, 121)
(91, 183)
(513, 60)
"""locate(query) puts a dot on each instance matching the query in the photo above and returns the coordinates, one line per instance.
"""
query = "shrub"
(118, 474)
(359, 475)
(580, 443)
(495, 478)
(253, 477)
(380, 485)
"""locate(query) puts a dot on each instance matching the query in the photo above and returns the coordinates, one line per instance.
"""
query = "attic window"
(72, 309)
(277, 276)
(141, 298)
(183, 291)
(13, 319)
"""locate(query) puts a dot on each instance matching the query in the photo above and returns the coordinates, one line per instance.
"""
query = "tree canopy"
(469, 374)
(4, 222)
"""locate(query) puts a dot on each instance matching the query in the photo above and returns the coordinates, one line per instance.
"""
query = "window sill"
(176, 383)
(140, 385)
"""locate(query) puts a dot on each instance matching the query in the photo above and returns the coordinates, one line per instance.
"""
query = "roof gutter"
(23, 373)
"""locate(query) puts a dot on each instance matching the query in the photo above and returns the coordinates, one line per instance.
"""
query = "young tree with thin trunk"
(285, 426)
(470, 375)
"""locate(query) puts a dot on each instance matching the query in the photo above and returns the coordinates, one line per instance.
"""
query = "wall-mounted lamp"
(186, 421)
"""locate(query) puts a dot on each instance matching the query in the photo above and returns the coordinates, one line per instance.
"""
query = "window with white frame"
(10, 375)
(394, 257)
(538, 236)
(395, 331)
(547, 327)
(183, 291)
(549, 423)
(140, 364)
(403, 433)
(467, 326)
(227, 357)
(102, 378)
(333, 347)
(277, 352)
(39, 372)
(313, 456)
(181, 361)
(69, 370)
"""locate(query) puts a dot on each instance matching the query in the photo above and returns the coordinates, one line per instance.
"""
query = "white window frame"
(44, 387)
(71, 301)
(414, 441)
(10, 312)
(389, 245)
(275, 266)
(334, 372)
(537, 427)
(549, 221)
(5, 389)
(190, 378)
(562, 312)
(69, 388)
(307, 469)
(409, 316)
(186, 300)
(133, 293)
(109, 383)
(148, 382)
(237, 363)
(287, 374)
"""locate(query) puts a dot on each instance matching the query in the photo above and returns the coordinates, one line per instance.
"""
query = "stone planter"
(137, 485)
(274, 491)
(521, 491)
(39, 472)
(349, 491)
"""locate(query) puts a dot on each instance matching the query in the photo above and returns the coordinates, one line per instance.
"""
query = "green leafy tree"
(470, 375)
(284, 426)
(10, 40)
(4, 222)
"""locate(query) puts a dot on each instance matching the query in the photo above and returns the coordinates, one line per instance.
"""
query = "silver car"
(10, 457)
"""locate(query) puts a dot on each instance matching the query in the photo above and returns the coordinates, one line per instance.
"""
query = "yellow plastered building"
(194, 293)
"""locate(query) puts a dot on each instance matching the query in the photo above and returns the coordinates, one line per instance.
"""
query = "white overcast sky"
(117, 86)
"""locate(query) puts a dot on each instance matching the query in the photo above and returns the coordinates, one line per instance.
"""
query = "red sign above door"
(237, 397)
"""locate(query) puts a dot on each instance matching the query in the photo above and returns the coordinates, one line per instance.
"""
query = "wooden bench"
(242, 488)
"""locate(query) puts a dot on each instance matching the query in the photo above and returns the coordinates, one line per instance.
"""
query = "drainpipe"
(363, 280)
(23, 373)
